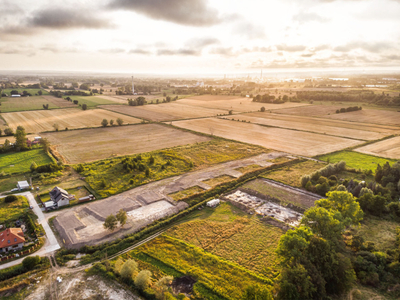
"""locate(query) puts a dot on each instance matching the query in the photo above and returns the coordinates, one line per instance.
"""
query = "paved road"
(51, 244)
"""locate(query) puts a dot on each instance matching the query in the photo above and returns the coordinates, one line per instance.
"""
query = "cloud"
(61, 18)
(370, 47)
(291, 48)
(249, 30)
(224, 51)
(184, 12)
(139, 51)
(304, 17)
(182, 52)
(112, 51)
(202, 42)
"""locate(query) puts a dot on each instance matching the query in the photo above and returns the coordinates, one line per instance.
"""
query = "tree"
(30, 262)
(20, 138)
(40, 92)
(56, 126)
(6, 145)
(121, 217)
(104, 123)
(118, 264)
(346, 204)
(84, 106)
(120, 121)
(111, 122)
(110, 223)
(10, 198)
(230, 111)
(33, 167)
(8, 131)
(162, 286)
(262, 109)
(128, 269)
(1, 132)
(45, 144)
(142, 280)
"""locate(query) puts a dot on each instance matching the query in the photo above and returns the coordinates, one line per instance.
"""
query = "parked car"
(15, 190)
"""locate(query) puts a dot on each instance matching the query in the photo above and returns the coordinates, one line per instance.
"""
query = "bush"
(10, 198)
(142, 280)
(30, 262)
(304, 180)
(128, 269)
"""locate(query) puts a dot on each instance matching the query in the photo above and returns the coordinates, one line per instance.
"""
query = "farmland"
(20, 162)
(235, 104)
(13, 210)
(310, 110)
(92, 101)
(165, 111)
(26, 103)
(291, 141)
(94, 144)
(20, 90)
(371, 116)
(389, 148)
(43, 120)
(343, 129)
(356, 160)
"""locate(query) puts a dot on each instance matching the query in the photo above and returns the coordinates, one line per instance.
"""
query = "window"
(15, 239)
(9, 241)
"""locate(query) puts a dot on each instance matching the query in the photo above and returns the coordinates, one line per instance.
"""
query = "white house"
(60, 196)
(23, 185)
(213, 203)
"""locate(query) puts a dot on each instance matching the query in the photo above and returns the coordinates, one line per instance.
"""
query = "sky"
(199, 36)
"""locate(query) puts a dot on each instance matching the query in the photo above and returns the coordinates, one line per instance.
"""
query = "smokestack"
(133, 87)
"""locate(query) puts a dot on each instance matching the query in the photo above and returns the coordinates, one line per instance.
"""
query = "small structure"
(15, 95)
(213, 203)
(86, 198)
(23, 185)
(60, 197)
(11, 239)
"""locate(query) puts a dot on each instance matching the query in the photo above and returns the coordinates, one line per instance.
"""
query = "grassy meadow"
(108, 177)
(356, 160)
(13, 210)
(20, 90)
(25, 103)
(20, 162)
(8, 183)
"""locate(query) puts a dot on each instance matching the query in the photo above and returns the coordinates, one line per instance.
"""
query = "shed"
(23, 185)
(213, 203)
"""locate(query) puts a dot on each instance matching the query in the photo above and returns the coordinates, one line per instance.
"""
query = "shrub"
(304, 180)
(84, 106)
(142, 280)
(128, 269)
(30, 262)
(10, 198)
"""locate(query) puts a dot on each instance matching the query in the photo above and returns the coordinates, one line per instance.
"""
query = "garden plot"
(265, 208)
(291, 141)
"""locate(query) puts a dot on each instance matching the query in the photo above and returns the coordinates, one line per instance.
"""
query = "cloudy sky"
(199, 36)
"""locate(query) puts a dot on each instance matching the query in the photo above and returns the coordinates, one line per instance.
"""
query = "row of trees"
(137, 102)
(104, 122)
(348, 109)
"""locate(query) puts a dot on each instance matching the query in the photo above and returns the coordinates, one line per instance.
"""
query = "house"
(11, 239)
(60, 197)
(213, 203)
(23, 185)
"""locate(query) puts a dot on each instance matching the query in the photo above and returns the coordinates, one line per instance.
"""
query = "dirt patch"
(183, 285)
(374, 116)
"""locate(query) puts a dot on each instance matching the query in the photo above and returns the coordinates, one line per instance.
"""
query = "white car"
(15, 190)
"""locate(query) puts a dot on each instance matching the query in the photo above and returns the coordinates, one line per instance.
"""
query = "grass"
(108, 177)
(25, 103)
(14, 210)
(291, 175)
(233, 235)
(281, 194)
(381, 232)
(280, 160)
(218, 180)
(8, 183)
(216, 274)
(356, 160)
(185, 193)
(20, 162)
(20, 90)
(248, 168)
(91, 101)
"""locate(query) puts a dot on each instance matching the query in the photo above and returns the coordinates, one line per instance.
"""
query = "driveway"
(51, 244)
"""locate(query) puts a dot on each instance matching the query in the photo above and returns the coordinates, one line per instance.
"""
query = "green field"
(8, 183)
(25, 103)
(20, 162)
(91, 101)
(356, 160)
(233, 235)
(13, 210)
(20, 90)
(108, 177)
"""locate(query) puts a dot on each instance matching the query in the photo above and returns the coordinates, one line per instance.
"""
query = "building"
(213, 203)
(15, 95)
(60, 197)
(23, 185)
(11, 239)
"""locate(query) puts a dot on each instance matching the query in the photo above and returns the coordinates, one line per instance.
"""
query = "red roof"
(11, 237)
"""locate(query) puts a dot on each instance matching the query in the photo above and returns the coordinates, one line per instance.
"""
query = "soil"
(183, 285)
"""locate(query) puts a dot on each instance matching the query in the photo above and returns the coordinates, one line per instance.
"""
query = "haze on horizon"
(187, 36)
